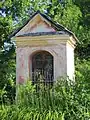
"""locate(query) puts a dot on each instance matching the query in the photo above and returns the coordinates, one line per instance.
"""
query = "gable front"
(35, 25)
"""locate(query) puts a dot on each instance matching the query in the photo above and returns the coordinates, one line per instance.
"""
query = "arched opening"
(42, 67)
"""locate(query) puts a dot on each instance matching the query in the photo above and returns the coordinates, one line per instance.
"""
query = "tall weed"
(65, 100)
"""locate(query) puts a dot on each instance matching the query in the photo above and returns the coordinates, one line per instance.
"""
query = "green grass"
(64, 101)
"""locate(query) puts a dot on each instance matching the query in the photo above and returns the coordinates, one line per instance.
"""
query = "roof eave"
(57, 26)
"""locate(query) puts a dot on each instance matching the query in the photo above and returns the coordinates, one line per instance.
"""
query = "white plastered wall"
(70, 61)
(24, 63)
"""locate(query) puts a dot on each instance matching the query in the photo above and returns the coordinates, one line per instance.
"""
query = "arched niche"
(42, 66)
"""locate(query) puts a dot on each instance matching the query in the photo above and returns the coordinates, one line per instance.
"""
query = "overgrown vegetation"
(67, 101)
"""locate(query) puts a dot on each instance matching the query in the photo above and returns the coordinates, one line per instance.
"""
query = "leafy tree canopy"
(74, 14)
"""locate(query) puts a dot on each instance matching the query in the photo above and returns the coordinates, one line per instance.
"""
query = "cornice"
(45, 40)
(45, 37)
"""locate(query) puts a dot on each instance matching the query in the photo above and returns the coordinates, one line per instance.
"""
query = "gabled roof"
(58, 27)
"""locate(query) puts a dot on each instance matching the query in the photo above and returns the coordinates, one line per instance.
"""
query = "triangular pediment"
(41, 24)
(35, 25)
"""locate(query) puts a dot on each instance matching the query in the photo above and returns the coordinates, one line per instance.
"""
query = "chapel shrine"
(45, 50)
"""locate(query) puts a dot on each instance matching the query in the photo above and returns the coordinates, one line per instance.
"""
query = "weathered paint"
(45, 40)
(21, 79)
(36, 25)
(62, 52)
(58, 52)
(61, 47)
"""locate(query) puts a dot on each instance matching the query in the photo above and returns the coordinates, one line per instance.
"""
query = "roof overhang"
(60, 29)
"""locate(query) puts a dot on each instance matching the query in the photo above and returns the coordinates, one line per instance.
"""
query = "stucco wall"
(70, 61)
(60, 46)
(24, 63)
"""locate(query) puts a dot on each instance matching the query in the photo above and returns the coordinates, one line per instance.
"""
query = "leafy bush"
(66, 100)
(83, 73)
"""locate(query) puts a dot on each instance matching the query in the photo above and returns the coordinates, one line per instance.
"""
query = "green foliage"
(83, 32)
(84, 5)
(10, 13)
(66, 100)
(83, 73)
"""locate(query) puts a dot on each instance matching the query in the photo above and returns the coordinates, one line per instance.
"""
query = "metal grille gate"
(42, 68)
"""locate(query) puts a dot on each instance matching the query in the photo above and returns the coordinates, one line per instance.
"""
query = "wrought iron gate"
(42, 68)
